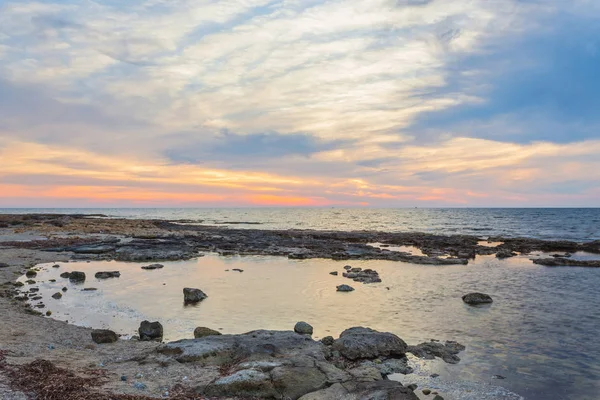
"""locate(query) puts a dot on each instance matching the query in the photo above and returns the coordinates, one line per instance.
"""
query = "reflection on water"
(541, 332)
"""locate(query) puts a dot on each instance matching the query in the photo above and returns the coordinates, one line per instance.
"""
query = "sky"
(350, 103)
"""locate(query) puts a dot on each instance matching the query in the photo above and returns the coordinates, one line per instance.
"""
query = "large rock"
(201, 332)
(102, 336)
(365, 343)
(150, 331)
(153, 266)
(429, 350)
(245, 383)
(77, 276)
(477, 298)
(303, 328)
(107, 274)
(379, 390)
(191, 296)
(344, 288)
(293, 382)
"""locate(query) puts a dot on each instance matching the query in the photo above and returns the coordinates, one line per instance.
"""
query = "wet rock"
(201, 332)
(153, 266)
(64, 289)
(31, 273)
(391, 366)
(356, 269)
(107, 274)
(505, 253)
(566, 262)
(347, 267)
(19, 284)
(56, 266)
(365, 373)
(30, 282)
(378, 390)
(57, 296)
(344, 288)
(426, 392)
(150, 331)
(77, 276)
(102, 336)
(140, 386)
(429, 350)
(191, 295)
(412, 387)
(295, 381)
(89, 289)
(328, 340)
(333, 273)
(48, 313)
(65, 275)
(4, 265)
(477, 298)
(438, 397)
(303, 328)
(365, 343)
(244, 383)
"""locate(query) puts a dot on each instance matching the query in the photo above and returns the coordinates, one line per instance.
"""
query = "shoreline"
(30, 337)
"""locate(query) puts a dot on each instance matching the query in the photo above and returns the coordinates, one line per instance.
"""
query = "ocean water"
(578, 224)
(541, 333)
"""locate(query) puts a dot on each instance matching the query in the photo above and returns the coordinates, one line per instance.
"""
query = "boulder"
(365, 343)
(191, 295)
(201, 332)
(477, 298)
(153, 266)
(57, 295)
(107, 274)
(245, 383)
(344, 288)
(505, 253)
(293, 382)
(65, 275)
(77, 276)
(31, 273)
(429, 350)
(150, 331)
(328, 340)
(303, 328)
(102, 336)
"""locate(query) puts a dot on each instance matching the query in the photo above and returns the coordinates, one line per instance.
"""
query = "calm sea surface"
(579, 224)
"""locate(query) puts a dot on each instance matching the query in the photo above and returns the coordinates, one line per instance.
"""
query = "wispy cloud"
(313, 102)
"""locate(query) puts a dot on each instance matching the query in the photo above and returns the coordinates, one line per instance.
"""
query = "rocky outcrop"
(477, 298)
(365, 343)
(201, 332)
(380, 390)
(107, 274)
(77, 276)
(150, 331)
(192, 296)
(153, 266)
(429, 350)
(566, 262)
(303, 328)
(505, 253)
(365, 276)
(102, 336)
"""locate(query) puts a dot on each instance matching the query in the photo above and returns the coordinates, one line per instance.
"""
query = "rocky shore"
(258, 364)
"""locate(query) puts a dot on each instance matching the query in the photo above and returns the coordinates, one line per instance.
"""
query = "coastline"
(29, 336)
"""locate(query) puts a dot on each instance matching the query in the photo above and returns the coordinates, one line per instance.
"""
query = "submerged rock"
(429, 350)
(191, 295)
(303, 328)
(102, 336)
(107, 274)
(365, 343)
(477, 298)
(344, 288)
(77, 276)
(566, 262)
(150, 331)
(153, 266)
(201, 332)
(65, 275)
(333, 273)
(57, 295)
(502, 254)
(31, 273)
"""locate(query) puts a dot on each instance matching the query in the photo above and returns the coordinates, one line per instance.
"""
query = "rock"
(378, 390)
(477, 298)
(150, 331)
(77, 276)
(303, 328)
(333, 273)
(140, 386)
(566, 262)
(153, 266)
(57, 296)
(107, 274)
(365, 343)
(244, 383)
(56, 266)
(30, 282)
(438, 397)
(238, 270)
(30, 273)
(328, 340)
(429, 350)
(347, 267)
(426, 392)
(344, 288)
(412, 387)
(434, 375)
(4, 265)
(498, 377)
(504, 253)
(48, 313)
(391, 366)
(365, 373)
(123, 378)
(201, 332)
(191, 295)
(101, 336)
(89, 289)
(293, 382)
(19, 284)
(65, 275)
(357, 269)
(64, 289)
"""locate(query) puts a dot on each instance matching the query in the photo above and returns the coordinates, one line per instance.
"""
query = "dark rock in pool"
(107, 274)
(57, 296)
(429, 350)
(328, 340)
(504, 253)
(566, 262)
(365, 343)
(64, 289)
(477, 298)
(150, 331)
(344, 288)
(89, 289)
(56, 266)
(347, 267)
(201, 332)
(30, 282)
(191, 295)
(356, 269)
(102, 336)
(333, 273)
(65, 275)
(31, 273)
(153, 266)
(4, 265)
(303, 328)
(77, 276)
(238, 270)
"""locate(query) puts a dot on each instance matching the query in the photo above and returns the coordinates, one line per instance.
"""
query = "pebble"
(498, 377)
(434, 375)
(426, 392)
(140, 386)
(123, 378)
(51, 347)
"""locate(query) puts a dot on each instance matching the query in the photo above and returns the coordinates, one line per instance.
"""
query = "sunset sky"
(383, 103)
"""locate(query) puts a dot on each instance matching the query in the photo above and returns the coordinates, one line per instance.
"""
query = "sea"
(538, 340)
